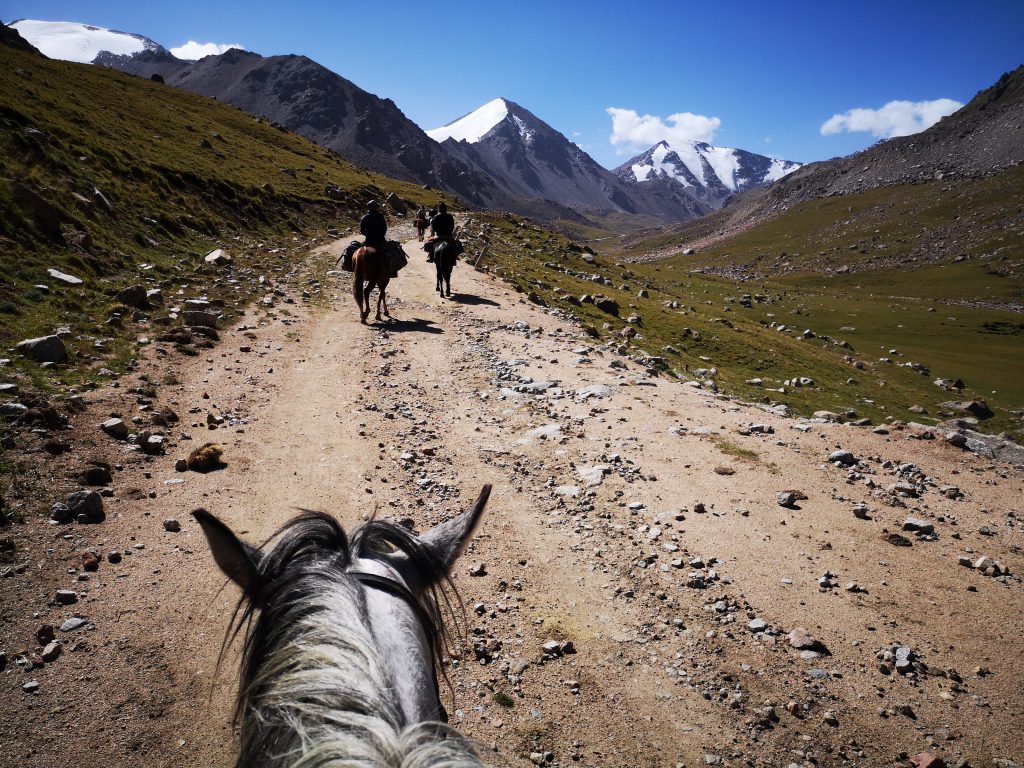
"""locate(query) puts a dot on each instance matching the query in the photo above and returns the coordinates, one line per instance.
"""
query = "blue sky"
(760, 76)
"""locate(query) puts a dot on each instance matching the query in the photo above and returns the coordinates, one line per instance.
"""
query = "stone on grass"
(64, 277)
(217, 257)
(45, 349)
(132, 296)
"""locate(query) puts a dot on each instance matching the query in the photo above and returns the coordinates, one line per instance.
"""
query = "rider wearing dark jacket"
(443, 225)
(373, 226)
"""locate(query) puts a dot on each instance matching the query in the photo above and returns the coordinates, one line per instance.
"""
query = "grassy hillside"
(886, 228)
(883, 328)
(118, 180)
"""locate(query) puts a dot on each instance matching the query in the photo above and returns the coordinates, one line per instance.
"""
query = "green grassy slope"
(179, 175)
(940, 311)
(889, 227)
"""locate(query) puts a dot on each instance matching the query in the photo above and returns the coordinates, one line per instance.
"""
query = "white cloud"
(631, 131)
(192, 50)
(897, 118)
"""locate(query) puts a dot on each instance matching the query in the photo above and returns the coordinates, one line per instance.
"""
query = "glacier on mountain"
(72, 41)
(692, 163)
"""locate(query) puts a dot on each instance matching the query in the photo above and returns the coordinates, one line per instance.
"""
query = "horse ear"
(449, 539)
(237, 559)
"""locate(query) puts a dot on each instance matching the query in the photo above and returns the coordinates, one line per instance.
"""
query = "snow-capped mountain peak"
(720, 170)
(475, 125)
(72, 41)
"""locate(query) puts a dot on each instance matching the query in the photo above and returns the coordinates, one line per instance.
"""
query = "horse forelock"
(313, 688)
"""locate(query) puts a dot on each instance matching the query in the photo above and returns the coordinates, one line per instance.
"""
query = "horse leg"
(365, 310)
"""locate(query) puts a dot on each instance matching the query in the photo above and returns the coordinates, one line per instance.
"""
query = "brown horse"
(368, 268)
(421, 227)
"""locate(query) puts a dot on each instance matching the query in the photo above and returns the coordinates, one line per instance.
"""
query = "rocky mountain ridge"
(302, 95)
(531, 159)
(983, 138)
(522, 164)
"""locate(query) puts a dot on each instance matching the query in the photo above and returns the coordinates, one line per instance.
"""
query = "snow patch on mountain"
(696, 163)
(72, 41)
(475, 125)
(525, 132)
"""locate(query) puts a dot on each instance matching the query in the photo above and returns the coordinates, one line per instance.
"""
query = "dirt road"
(634, 521)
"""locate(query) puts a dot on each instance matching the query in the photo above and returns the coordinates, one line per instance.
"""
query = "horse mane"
(312, 692)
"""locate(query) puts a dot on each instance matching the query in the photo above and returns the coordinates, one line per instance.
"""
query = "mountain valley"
(756, 431)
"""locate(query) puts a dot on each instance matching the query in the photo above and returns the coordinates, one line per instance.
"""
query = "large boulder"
(85, 506)
(218, 257)
(607, 305)
(977, 408)
(395, 203)
(45, 349)
(132, 296)
(199, 317)
(64, 277)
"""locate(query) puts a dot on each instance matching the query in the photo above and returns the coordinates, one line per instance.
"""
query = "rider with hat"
(373, 226)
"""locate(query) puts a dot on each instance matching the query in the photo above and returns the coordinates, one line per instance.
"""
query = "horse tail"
(357, 277)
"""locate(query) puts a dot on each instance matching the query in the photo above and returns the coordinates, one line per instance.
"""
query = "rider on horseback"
(442, 226)
(374, 227)
(421, 222)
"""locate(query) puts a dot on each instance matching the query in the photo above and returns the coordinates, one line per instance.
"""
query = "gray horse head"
(343, 637)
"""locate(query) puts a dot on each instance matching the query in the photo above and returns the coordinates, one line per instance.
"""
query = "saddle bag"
(348, 253)
(394, 255)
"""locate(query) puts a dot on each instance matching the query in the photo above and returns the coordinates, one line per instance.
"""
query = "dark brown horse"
(445, 255)
(368, 272)
(421, 227)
